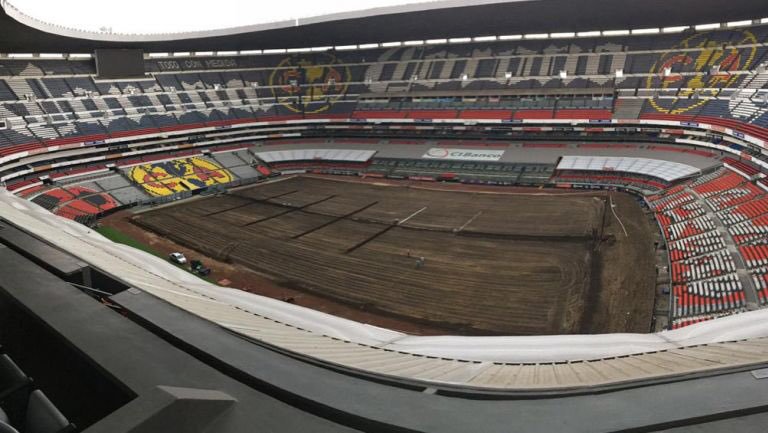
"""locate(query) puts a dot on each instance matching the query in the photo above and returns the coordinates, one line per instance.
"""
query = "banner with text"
(463, 154)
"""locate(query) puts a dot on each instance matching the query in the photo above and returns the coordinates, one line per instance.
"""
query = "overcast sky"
(162, 16)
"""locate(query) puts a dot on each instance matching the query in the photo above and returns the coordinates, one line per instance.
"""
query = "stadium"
(492, 216)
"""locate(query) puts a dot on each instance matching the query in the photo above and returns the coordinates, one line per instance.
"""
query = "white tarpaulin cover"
(666, 170)
(350, 155)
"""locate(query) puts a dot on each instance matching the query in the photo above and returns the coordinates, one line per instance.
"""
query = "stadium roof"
(440, 19)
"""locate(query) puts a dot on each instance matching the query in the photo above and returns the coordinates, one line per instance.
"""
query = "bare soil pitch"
(516, 264)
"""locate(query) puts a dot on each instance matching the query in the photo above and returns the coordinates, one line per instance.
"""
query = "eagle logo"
(712, 64)
(316, 84)
(166, 178)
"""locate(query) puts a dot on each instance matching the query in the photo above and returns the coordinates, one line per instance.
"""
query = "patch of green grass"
(119, 237)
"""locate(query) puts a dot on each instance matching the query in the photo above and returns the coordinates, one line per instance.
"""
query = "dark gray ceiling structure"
(442, 19)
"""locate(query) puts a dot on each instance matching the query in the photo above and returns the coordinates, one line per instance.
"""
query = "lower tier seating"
(724, 182)
(705, 283)
(711, 296)
(711, 265)
(745, 212)
(752, 230)
(696, 245)
(760, 280)
(755, 256)
(689, 228)
(736, 195)
(672, 201)
(679, 214)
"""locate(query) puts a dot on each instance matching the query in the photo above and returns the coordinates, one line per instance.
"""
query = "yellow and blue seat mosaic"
(169, 177)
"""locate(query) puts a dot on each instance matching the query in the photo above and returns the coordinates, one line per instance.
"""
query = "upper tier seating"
(201, 90)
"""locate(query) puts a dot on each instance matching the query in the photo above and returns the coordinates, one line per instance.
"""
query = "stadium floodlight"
(464, 77)
(436, 41)
(459, 40)
(508, 75)
(249, 52)
(274, 51)
(563, 35)
(510, 37)
(619, 73)
(391, 44)
(590, 34)
(536, 36)
(51, 55)
(739, 23)
(20, 55)
(413, 43)
(615, 32)
(677, 29)
(349, 47)
(368, 46)
(764, 21)
(203, 53)
(651, 31)
(226, 53)
(563, 75)
(182, 54)
(80, 56)
(707, 26)
(414, 78)
(667, 72)
(484, 38)
(154, 55)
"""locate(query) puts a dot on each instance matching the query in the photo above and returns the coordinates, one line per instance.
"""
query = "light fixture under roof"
(651, 31)
(711, 26)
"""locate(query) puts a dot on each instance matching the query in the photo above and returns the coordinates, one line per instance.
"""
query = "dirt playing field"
(520, 263)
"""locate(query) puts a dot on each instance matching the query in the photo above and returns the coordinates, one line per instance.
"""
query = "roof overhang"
(433, 20)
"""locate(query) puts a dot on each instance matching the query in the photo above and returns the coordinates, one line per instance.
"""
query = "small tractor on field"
(198, 268)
